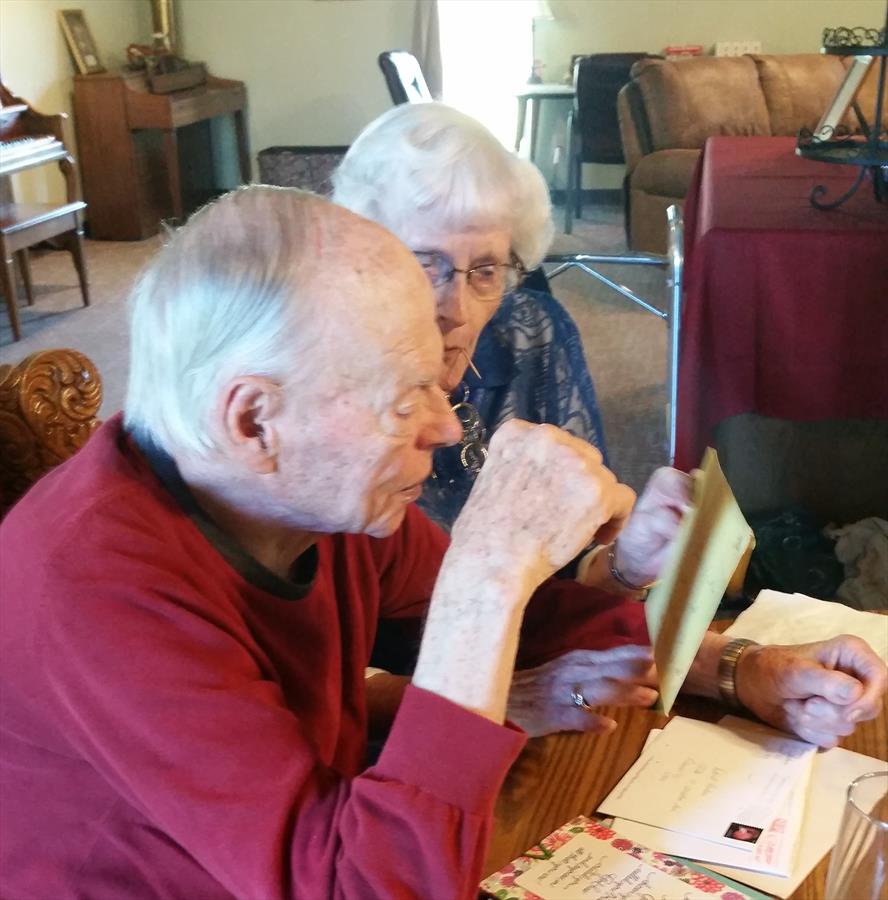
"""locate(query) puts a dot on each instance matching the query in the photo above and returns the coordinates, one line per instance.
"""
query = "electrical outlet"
(737, 48)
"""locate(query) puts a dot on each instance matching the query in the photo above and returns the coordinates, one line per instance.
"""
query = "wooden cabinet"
(128, 147)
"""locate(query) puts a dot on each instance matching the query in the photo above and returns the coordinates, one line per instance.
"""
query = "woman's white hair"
(217, 302)
(431, 162)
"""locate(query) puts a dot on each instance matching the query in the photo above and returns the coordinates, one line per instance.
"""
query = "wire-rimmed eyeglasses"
(488, 281)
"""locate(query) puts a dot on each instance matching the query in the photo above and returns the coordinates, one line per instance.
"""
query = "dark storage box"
(308, 168)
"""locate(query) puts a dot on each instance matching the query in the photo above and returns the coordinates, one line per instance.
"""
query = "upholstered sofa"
(670, 107)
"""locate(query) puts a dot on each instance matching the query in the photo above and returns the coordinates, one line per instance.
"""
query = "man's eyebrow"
(417, 384)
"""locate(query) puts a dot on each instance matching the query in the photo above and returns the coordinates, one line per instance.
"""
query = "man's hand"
(818, 691)
(542, 496)
(644, 544)
(540, 699)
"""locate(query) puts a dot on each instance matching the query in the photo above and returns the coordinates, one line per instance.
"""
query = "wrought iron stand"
(838, 144)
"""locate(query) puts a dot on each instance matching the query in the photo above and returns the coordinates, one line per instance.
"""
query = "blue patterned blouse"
(532, 365)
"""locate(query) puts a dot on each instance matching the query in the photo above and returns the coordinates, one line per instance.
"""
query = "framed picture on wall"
(80, 41)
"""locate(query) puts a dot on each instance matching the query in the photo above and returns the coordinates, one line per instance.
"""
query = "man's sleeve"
(160, 693)
(565, 615)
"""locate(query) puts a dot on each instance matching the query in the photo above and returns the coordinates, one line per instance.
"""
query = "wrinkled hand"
(542, 496)
(651, 529)
(540, 699)
(819, 691)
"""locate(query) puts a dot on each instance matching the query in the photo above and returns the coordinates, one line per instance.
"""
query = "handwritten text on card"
(586, 867)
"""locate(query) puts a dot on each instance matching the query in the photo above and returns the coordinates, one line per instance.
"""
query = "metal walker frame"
(673, 263)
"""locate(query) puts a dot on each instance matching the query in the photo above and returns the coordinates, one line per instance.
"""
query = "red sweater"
(170, 729)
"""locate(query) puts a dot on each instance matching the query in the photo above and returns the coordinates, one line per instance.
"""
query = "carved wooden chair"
(48, 408)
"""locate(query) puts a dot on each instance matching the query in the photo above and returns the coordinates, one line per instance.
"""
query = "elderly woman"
(478, 218)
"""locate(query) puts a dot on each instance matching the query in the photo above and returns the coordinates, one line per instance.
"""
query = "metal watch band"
(727, 670)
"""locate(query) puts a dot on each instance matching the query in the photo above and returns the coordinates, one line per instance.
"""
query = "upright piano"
(128, 147)
(29, 138)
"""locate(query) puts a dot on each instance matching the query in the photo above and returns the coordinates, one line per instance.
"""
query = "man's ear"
(251, 405)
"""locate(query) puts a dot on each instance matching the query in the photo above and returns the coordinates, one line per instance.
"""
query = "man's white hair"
(217, 302)
(431, 162)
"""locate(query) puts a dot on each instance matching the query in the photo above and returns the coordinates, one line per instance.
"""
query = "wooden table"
(127, 138)
(565, 775)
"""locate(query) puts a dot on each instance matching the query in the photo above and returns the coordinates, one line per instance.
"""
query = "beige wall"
(35, 63)
(309, 65)
(782, 26)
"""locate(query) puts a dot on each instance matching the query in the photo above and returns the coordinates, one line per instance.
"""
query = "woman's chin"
(453, 369)
(451, 377)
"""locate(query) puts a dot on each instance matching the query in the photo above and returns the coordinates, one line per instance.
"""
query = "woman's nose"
(452, 303)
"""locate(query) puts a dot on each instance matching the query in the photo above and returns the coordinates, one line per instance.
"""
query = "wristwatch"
(727, 670)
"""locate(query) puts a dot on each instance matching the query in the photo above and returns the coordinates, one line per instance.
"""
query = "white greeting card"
(741, 789)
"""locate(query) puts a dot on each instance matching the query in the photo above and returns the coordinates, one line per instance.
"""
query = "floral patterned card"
(586, 858)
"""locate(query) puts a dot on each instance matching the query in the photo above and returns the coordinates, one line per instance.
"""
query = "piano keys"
(24, 152)
(29, 138)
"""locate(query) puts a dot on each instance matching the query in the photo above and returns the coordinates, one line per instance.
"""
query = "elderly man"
(189, 604)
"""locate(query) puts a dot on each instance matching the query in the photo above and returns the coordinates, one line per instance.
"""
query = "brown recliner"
(49, 404)
(670, 107)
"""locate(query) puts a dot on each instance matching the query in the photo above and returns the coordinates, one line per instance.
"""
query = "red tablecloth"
(786, 306)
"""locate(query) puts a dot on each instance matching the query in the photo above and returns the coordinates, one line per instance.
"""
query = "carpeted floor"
(625, 346)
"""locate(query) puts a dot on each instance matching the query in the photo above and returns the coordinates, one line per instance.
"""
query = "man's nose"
(452, 303)
(442, 428)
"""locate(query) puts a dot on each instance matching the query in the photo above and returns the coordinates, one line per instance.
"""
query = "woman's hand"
(540, 699)
(818, 691)
(644, 543)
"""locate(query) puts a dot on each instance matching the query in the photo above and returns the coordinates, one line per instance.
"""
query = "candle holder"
(834, 142)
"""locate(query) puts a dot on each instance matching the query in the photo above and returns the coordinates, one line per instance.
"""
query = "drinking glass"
(859, 865)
